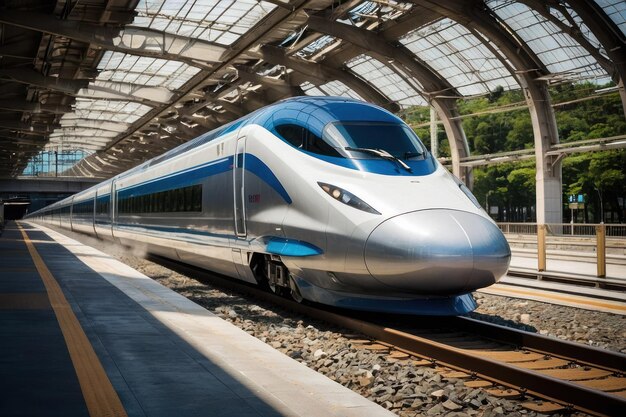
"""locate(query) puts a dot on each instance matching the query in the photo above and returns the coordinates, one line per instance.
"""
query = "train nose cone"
(437, 252)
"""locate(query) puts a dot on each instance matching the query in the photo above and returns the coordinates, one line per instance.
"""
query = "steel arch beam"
(86, 123)
(28, 128)
(323, 74)
(23, 141)
(4, 130)
(35, 78)
(131, 40)
(109, 90)
(152, 94)
(433, 84)
(527, 68)
(238, 50)
(613, 40)
(30, 107)
(280, 86)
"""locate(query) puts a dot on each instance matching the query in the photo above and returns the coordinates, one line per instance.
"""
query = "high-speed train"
(332, 200)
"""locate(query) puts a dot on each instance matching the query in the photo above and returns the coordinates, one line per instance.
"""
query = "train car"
(332, 200)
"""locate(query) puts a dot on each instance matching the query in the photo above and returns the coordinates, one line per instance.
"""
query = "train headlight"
(347, 197)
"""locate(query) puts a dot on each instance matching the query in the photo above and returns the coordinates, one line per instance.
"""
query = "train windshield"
(362, 140)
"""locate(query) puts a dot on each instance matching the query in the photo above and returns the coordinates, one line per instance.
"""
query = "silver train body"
(333, 200)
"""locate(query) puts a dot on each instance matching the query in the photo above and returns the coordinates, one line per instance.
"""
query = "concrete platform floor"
(584, 267)
(85, 335)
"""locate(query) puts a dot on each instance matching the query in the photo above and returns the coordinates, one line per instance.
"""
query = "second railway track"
(571, 375)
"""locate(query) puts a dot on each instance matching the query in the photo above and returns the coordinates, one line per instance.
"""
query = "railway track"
(570, 376)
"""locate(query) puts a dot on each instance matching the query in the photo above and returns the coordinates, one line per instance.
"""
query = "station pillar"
(549, 195)
(549, 182)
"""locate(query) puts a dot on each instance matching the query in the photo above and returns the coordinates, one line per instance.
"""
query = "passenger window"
(180, 196)
(188, 199)
(161, 202)
(168, 201)
(293, 134)
(197, 197)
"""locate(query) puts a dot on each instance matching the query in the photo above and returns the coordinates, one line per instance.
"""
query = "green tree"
(580, 115)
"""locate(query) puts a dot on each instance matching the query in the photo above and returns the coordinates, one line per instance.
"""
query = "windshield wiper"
(381, 153)
(408, 155)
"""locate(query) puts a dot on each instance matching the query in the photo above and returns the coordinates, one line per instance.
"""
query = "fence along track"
(564, 229)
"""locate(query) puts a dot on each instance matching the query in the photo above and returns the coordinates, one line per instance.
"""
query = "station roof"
(126, 80)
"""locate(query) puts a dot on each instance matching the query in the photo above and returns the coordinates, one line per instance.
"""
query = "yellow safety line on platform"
(99, 394)
(553, 296)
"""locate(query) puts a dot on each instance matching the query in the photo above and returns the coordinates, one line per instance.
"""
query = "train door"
(94, 213)
(113, 207)
(238, 188)
(70, 215)
(240, 256)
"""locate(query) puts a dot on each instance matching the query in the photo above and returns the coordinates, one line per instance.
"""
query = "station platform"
(577, 265)
(587, 294)
(85, 335)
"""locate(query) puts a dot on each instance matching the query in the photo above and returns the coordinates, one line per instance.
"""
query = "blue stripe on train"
(258, 168)
(194, 175)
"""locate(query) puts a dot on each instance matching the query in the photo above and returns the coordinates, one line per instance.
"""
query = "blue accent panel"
(380, 166)
(258, 168)
(232, 126)
(290, 247)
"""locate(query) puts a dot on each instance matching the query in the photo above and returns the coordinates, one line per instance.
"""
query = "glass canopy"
(136, 89)
(459, 57)
(561, 54)
(393, 84)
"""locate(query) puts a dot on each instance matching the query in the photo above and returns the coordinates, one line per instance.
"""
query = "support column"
(459, 148)
(549, 194)
(434, 143)
(528, 69)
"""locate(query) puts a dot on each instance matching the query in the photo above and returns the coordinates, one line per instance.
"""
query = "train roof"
(326, 110)
(322, 110)
(337, 109)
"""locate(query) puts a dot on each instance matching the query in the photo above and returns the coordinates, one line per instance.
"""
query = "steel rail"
(565, 349)
(567, 393)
